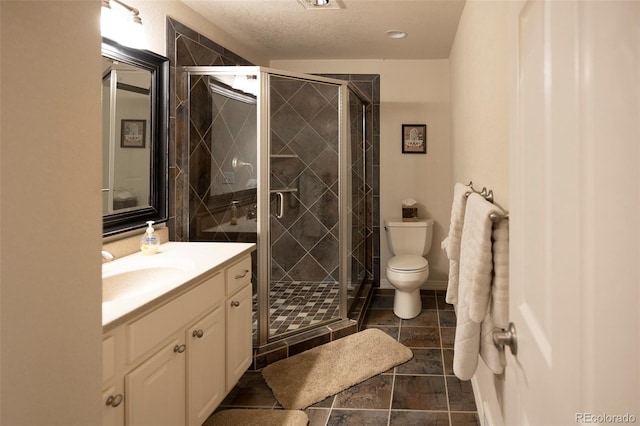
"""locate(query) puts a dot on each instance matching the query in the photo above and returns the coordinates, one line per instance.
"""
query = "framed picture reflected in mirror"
(133, 133)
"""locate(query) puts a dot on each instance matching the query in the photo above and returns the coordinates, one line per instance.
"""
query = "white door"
(574, 199)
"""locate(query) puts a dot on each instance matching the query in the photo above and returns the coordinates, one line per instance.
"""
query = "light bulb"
(107, 23)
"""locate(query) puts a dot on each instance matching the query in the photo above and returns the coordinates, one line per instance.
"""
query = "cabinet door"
(239, 335)
(155, 390)
(112, 408)
(205, 366)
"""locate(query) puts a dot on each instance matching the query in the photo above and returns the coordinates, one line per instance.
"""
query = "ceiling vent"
(320, 4)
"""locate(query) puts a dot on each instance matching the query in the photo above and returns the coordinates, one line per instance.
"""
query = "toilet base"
(407, 304)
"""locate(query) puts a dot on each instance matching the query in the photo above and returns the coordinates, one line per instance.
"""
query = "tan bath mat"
(311, 376)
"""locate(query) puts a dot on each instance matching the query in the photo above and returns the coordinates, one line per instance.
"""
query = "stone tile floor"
(423, 391)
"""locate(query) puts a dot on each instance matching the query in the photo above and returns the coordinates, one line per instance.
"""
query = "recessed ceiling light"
(396, 34)
(320, 4)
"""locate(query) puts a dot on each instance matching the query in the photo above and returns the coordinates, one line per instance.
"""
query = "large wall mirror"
(134, 142)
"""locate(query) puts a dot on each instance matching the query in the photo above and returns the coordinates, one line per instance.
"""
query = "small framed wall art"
(414, 138)
(133, 133)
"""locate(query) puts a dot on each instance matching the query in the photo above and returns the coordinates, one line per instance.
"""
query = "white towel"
(451, 244)
(497, 317)
(476, 257)
(467, 343)
(492, 355)
(500, 287)
(474, 288)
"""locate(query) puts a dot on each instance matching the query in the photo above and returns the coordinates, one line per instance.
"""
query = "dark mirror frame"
(157, 211)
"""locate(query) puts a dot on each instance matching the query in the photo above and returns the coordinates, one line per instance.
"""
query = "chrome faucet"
(107, 256)
(252, 212)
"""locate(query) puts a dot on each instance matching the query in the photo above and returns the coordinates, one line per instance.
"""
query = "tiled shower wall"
(187, 47)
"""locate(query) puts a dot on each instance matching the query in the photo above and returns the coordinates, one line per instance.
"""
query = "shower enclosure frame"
(263, 188)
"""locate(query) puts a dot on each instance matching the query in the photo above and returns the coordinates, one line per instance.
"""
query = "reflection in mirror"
(134, 143)
(235, 130)
(126, 110)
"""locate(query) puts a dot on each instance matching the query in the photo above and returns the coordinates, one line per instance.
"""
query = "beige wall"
(479, 133)
(411, 92)
(479, 102)
(50, 310)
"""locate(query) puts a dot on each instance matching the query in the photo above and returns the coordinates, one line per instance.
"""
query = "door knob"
(115, 400)
(507, 338)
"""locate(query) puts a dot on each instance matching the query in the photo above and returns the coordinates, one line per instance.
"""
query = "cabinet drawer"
(238, 275)
(152, 329)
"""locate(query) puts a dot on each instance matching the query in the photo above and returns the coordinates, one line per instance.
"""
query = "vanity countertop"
(175, 269)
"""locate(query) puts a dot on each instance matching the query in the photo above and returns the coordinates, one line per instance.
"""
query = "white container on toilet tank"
(407, 270)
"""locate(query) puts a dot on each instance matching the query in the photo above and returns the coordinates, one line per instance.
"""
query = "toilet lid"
(407, 262)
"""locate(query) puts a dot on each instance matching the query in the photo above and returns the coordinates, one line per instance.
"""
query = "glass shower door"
(304, 216)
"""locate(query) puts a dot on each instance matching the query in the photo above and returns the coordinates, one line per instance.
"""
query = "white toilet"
(407, 270)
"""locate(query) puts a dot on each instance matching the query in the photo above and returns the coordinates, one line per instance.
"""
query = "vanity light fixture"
(396, 34)
(123, 24)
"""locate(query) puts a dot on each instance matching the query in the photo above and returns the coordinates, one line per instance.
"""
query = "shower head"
(236, 163)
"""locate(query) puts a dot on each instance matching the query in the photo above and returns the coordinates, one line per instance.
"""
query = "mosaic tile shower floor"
(295, 305)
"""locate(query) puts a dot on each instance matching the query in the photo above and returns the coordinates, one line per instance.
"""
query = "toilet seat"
(407, 263)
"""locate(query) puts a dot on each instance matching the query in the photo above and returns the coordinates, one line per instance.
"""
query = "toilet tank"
(409, 237)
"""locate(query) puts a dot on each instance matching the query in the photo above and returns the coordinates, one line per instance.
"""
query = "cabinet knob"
(198, 333)
(115, 400)
(235, 303)
(242, 275)
(180, 348)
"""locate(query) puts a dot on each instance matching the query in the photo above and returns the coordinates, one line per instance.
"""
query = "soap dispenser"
(150, 241)
(234, 212)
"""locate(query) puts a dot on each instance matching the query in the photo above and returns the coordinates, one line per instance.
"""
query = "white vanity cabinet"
(173, 365)
(239, 321)
(155, 390)
(206, 360)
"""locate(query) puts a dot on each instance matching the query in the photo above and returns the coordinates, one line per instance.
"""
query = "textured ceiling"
(284, 29)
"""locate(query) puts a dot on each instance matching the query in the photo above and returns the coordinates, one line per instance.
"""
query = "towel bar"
(488, 195)
(495, 217)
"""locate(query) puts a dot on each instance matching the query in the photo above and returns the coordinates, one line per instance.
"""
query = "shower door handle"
(280, 211)
(280, 193)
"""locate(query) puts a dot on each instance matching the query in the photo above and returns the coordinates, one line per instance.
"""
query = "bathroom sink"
(136, 282)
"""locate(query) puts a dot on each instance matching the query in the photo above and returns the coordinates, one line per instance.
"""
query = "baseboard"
(429, 285)
(485, 394)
